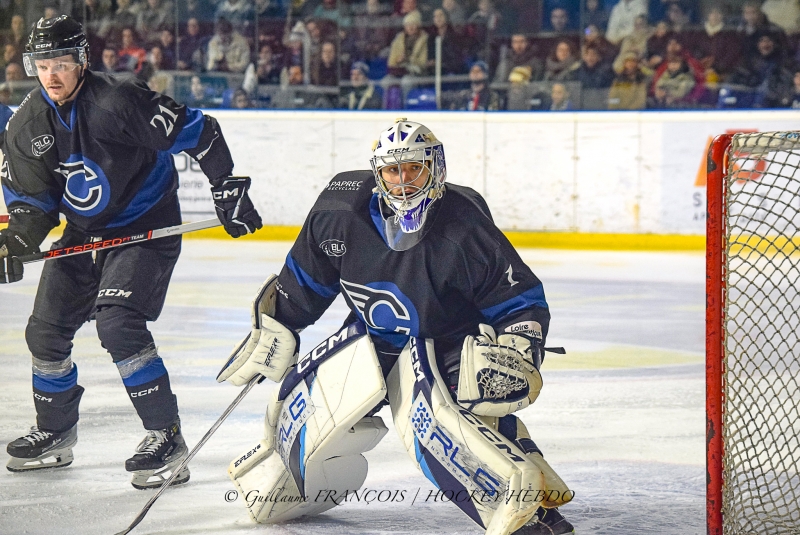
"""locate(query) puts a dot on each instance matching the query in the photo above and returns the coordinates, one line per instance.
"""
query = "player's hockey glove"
(13, 244)
(234, 207)
(269, 350)
(499, 374)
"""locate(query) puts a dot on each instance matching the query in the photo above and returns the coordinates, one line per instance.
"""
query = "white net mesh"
(761, 419)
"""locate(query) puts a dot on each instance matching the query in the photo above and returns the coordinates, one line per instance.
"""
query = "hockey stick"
(255, 380)
(117, 242)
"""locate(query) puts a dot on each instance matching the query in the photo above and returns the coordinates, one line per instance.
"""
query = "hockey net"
(752, 326)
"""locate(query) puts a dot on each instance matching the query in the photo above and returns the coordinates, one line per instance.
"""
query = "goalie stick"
(254, 381)
(117, 242)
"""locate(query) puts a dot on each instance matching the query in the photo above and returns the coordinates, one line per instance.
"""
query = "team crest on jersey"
(333, 247)
(385, 309)
(41, 144)
(86, 190)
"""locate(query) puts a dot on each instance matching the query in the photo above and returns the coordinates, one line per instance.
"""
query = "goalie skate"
(156, 457)
(546, 522)
(41, 449)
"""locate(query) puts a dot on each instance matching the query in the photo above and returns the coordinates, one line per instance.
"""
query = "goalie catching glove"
(269, 350)
(499, 374)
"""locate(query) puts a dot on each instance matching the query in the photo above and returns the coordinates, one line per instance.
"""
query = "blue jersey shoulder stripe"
(304, 279)
(377, 219)
(45, 204)
(189, 137)
(5, 115)
(155, 186)
(527, 299)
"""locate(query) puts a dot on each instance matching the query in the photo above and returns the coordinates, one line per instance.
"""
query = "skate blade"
(153, 479)
(51, 459)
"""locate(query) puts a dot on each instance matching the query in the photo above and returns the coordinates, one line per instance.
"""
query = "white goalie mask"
(408, 190)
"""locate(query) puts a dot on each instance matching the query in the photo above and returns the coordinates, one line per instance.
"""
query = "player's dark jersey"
(462, 273)
(104, 160)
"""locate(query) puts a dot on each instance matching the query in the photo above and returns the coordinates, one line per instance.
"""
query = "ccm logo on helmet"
(141, 393)
(393, 151)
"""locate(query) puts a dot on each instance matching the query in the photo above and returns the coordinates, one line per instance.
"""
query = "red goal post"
(752, 334)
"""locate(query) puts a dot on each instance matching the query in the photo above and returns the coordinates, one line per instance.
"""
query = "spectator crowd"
(388, 54)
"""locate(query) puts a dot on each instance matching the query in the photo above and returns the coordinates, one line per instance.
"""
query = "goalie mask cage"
(752, 326)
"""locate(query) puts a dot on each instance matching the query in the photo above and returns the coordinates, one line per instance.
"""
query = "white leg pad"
(457, 451)
(311, 456)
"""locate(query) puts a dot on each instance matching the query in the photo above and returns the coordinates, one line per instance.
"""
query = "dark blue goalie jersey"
(462, 273)
(104, 160)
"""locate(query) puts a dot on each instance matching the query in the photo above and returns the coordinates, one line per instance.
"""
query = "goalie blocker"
(318, 425)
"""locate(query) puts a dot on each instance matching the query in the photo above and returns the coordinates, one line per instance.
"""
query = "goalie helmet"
(408, 199)
(53, 38)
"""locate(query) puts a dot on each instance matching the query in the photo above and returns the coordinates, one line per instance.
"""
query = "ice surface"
(620, 417)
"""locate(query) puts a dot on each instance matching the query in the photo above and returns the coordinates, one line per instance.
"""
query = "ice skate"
(546, 522)
(41, 449)
(156, 456)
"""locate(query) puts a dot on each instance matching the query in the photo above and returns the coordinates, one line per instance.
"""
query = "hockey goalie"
(446, 325)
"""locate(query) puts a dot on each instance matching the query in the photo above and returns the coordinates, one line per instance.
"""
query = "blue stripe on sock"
(56, 384)
(152, 371)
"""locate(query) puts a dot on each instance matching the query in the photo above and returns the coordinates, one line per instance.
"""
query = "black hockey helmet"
(54, 37)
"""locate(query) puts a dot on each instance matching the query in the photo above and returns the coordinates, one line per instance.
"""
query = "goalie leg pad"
(316, 434)
(457, 451)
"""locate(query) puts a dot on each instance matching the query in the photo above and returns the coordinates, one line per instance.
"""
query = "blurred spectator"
(153, 72)
(193, 46)
(166, 41)
(95, 14)
(521, 54)
(717, 47)
(324, 69)
(409, 49)
(784, 13)
(678, 17)
(591, 72)
(455, 12)
(155, 15)
(485, 18)
(363, 95)
(314, 33)
(199, 95)
(11, 54)
(622, 18)
(673, 87)
(595, 14)
(559, 98)
(518, 97)
(292, 75)
(636, 42)
(629, 89)
(796, 89)
(334, 11)
(594, 37)
(559, 20)
(657, 44)
(228, 51)
(675, 48)
(131, 55)
(17, 34)
(266, 72)
(5, 94)
(766, 73)
(14, 72)
(753, 24)
(110, 60)
(240, 100)
(559, 63)
(239, 13)
(125, 16)
(521, 16)
(295, 49)
(453, 61)
(479, 97)
(370, 33)
(201, 10)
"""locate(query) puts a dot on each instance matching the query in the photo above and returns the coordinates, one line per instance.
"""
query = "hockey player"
(99, 151)
(442, 306)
